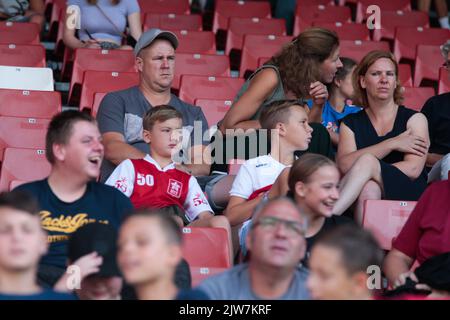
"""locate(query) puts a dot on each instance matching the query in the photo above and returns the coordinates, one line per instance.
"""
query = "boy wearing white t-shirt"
(289, 131)
(155, 180)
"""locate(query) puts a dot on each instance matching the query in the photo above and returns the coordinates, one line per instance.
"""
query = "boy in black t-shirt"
(22, 243)
(70, 198)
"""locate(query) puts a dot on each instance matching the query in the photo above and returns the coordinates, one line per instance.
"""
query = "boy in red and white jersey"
(155, 181)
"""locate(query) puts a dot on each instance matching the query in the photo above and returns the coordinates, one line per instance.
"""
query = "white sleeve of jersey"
(122, 178)
(242, 185)
(196, 201)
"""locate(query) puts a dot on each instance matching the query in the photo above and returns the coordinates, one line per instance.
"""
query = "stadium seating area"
(31, 66)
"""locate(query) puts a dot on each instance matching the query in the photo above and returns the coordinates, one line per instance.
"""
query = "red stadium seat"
(23, 165)
(306, 16)
(346, 31)
(29, 104)
(404, 75)
(19, 33)
(358, 49)
(415, 98)
(206, 247)
(239, 27)
(58, 11)
(22, 133)
(22, 55)
(99, 60)
(171, 21)
(262, 61)
(385, 219)
(392, 19)
(203, 42)
(164, 6)
(104, 81)
(444, 80)
(428, 61)
(407, 39)
(226, 9)
(98, 97)
(204, 87)
(391, 5)
(198, 274)
(214, 110)
(257, 46)
(200, 64)
(309, 3)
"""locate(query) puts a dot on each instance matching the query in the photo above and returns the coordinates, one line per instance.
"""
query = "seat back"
(22, 133)
(26, 78)
(172, 21)
(23, 165)
(203, 42)
(204, 87)
(206, 247)
(99, 60)
(104, 81)
(200, 64)
(385, 219)
(305, 16)
(239, 27)
(226, 9)
(214, 110)
(22, 55)
(415, 98)
(29, 104)
(19, 33)
(257, 46)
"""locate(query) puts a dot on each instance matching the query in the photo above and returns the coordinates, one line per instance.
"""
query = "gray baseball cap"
(151, 35)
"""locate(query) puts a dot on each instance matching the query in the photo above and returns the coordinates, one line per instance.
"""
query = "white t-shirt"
(253, 175)
(256, 174)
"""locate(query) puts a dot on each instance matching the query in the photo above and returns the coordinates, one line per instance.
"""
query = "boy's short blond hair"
(278, 111)
(160, 113)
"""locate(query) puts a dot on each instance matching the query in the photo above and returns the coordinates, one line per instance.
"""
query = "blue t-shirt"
(44, 295)
(191, 294)
(98, 25)
(331, 117)
(100, 203)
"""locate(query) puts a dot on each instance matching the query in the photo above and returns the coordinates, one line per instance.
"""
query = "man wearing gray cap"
(120, 114)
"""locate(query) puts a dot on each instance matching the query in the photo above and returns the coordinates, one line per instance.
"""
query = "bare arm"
(69, 38)
(240, 209)
(200, 161)
(347, 152)
(117, 150)
(280, 186)
(319, 93)
(134, 22)
(37, 6)
(432, 158)
(396, 264)
(260, 88)
(412, 164)
(334, 137)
